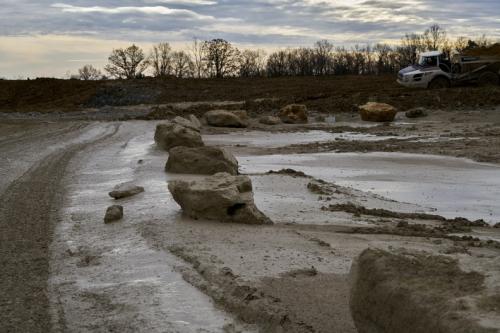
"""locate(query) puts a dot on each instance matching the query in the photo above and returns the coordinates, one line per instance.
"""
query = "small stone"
(113, 213)
(125, 190)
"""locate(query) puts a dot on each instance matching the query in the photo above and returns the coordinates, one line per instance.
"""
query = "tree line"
(218, 58)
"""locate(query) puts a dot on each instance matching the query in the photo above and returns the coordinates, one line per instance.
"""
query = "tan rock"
(201, 160)
(377, 112)
(294, 114)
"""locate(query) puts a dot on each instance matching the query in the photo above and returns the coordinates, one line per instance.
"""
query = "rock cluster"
(221, 197)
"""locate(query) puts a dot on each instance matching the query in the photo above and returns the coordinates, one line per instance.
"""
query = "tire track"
(27, 218)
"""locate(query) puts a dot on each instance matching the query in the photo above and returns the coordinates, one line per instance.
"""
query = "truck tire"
(488, 79)
(439, 83)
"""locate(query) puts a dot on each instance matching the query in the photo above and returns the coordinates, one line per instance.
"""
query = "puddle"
(275, 140)
(453, 186)
(113, 279)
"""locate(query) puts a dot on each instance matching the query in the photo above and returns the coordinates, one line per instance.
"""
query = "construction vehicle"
(434, 70)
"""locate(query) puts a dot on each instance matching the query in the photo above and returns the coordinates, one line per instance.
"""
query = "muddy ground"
(417, 185)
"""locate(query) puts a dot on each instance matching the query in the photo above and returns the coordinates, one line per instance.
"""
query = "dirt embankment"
(413, 292)
(325, 94)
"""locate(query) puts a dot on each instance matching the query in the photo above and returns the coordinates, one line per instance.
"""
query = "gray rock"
(125, 190)
(416, 113)
(269, 120)
(221, 197)
(201, 161)
(186, 123)
(173, 134)
(195, 121)
(223, 118)
(113, 213)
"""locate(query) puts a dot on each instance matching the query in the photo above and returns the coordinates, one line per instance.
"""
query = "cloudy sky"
(49, 38)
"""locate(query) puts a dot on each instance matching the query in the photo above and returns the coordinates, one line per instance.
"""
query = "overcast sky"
(48, 38)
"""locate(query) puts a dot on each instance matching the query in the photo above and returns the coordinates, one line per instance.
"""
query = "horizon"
(50, 39)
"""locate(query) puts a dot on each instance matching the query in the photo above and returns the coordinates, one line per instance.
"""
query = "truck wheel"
(488, 79)
(439, 83)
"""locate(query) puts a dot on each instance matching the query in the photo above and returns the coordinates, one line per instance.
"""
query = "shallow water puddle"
(453, 186)
(274, 140)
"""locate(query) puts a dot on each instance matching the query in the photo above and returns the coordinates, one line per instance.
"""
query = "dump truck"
(434, 70)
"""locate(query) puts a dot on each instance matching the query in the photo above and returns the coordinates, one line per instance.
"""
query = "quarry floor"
(64, 270)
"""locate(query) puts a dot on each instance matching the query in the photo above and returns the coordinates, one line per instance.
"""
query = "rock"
(416, 113)
(497, 225)
(201, 161)
(125, 190)
(221, 197)
(186, 123)
(113, 213)
(173, 134)
(195, 121)
(223, 118)
(402, 292)
(377, 112)
(294, 114)
(269, 120)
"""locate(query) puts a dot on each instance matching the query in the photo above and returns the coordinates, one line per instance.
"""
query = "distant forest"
(218, 58)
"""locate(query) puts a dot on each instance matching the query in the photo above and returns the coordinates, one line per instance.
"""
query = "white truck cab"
(433, 70)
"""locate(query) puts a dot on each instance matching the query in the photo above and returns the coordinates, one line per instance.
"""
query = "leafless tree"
(182, 64)
(89, 72)
(434, 38)
(160, 60)
(127, 63)
(252, 63)
(222, 57)
(198, 57)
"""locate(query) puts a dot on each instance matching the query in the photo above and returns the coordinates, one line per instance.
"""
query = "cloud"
(156, 10)
(185, 2)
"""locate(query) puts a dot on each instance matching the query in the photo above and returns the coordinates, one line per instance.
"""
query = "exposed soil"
(325, 94)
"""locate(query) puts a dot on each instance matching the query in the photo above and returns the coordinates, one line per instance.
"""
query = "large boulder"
(223, 118)
(125, 190)
(294, 114)
(221, 197)
(201, 161)
(377, 112)
(179, 132)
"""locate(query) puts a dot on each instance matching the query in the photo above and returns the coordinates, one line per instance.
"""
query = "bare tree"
(251, 63)
(88, 72)
(182, 64)
(434, 38)
(198, 58)
(127, 63)
(221, 56)
(160, 60)
(323, 63)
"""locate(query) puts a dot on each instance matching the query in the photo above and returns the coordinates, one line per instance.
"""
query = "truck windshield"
(427, 61)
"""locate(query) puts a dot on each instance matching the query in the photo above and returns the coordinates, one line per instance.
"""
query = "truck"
(435, 70)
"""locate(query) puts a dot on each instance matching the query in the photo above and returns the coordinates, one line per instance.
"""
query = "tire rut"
(28, 209)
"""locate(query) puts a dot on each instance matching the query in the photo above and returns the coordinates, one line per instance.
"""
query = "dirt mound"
(412, 292)
(493, 50)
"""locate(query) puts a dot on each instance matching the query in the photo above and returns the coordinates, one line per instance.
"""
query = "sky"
(56, 37)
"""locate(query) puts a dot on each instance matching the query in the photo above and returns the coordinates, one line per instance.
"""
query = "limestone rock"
(221, 197)
(223, 118)
(269, 120)
(113, 213)
(174, 134)
(294, 114)
(201, 160)
(125, 190)
(377, 112)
